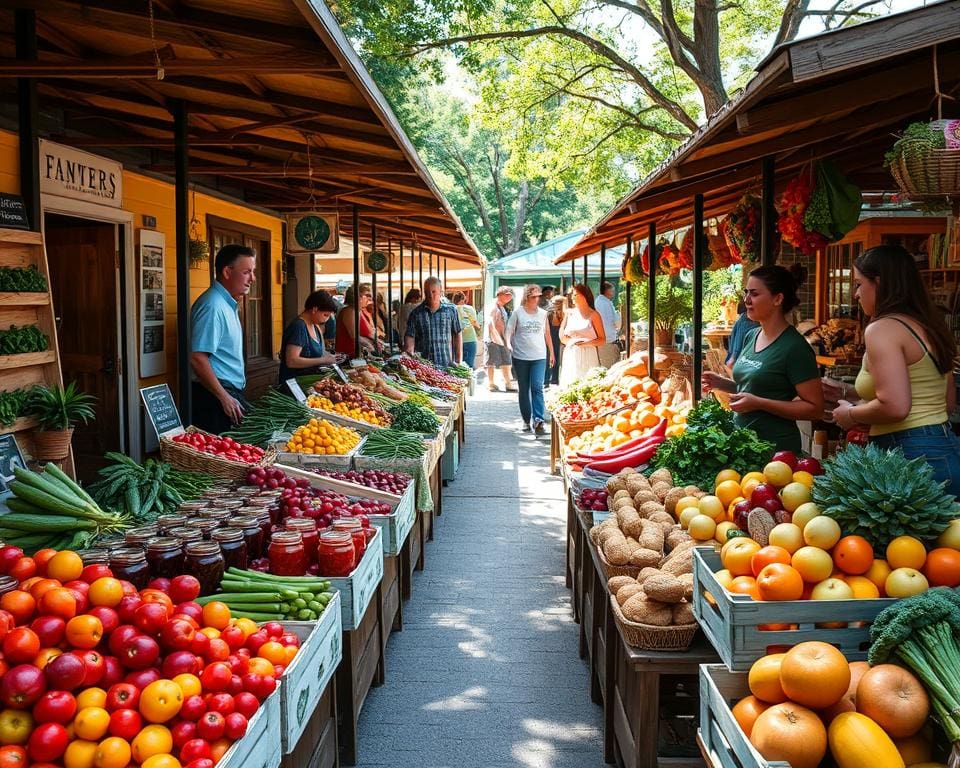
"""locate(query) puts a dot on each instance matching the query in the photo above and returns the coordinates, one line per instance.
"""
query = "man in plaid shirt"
(433, 328)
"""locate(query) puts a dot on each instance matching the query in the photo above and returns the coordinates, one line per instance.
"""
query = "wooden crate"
(306, 679)
(723, 739)
(259, 747)
(317, 747)
(358, 589)
(340, 461)
(731, 621)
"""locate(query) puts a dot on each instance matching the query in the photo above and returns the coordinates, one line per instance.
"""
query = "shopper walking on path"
(554, 321)
(495, 353)
(609, 352)
(470, 325)
(216, 342)
(582, 335)
(433, 329)
(530, 345)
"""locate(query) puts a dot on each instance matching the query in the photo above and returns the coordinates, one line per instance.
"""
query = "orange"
(778, 581)
(803, 477)
(219, 748)
(942, 567)
(20, 604)
(91, 723)
(105, 591)
(152, 740)
(248, 626)
(291, 654)
(65, 566)
(767, 555)
(45, 656)
(737, 553)
(906, 552)
(863, 588)
(84, 631)
(161, 761)
(260, 666)
(160, 701)
(216, 615)
(745, 585)
(80, 754)
(58, 601)
(91, 697)
(727, 491)
(42, 586)
(726, 474)
(112, 752)
(273, 652)
(814, 674)
(189, 684)
(853, 555)
(879, 570)
(746, 711)
(764, 679)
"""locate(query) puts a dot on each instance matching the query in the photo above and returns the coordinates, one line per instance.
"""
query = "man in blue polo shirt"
(216, 341)
(433, 328)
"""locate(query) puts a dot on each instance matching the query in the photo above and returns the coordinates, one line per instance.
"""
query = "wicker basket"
(611, 570)
(186, 457)
(575, 427)
(935, 173)
(651, 638)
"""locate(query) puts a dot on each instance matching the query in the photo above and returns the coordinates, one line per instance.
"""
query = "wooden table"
(361, 668)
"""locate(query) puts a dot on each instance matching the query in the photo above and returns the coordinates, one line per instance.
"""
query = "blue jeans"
(937, 444)
(530, 383)
(469, 353)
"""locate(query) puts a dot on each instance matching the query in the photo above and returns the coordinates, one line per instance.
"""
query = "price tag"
(162, 410)
(10, 457)
(339, 371)
(294, 386)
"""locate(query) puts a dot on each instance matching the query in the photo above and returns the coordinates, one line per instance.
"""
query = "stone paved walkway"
(485, 673)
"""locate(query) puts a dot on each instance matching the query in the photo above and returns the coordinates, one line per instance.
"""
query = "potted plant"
(57, 410)
(674, 306)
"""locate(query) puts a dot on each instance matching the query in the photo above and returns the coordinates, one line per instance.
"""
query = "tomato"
(47, 742)
(91, 573)
(13, 757)
(84, 631)
(218, 650)
(211, 726)
(184, 588)
(193, 707)
(222, 703)
(112, 752)
(20, 645)
(16, 725)
(23, 569)
(156, 596)
(150, 617)
(236, 725)
(122, 696)
(177, 634)
(108, 618)
(195, 749)
(182, 732)
(160, 701)
(246, 704)
(55, 707)
(50, 630)
(7, 622)
(125, 723)
(233, 637)
(216, 677)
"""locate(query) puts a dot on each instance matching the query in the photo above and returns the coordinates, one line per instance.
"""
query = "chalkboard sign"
(13, 213)
(296, 390)
(10, 457)
(162, 410)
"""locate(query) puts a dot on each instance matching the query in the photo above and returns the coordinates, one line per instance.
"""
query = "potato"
(645, 495)
(622, 494)
(646, 573)
(615, 484)
(644, 557)
(615, 582)
(662, 489)
(679, 564)
(637, 483)
(651, 536)
(623, 501)
(642, 610)
(633, 526)
(662, 476)
(628, 591)
(616, 551)
(687, 580)
(671, 499)
(664, 587)
(650, 508)
(682, 614)
(676, 537)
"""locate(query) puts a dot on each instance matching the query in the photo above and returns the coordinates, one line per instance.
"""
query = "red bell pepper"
(654, 432)
(635, 458)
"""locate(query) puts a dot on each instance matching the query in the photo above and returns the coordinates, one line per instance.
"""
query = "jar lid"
(185, 533)
(227, 534)
(346, 524)
(287, 538)
(201, 548)
(301, 524)
(330, 536)
(247, 521)
(164, 544)
(128, 556)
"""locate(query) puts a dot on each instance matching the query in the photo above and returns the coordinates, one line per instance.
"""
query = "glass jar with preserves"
(140, 536)
(233, 546)
(192, 507)
(247, 490)
(352, 526)
(219, 516)
(130, 564)
(230, 504)
(252, 534)
(266, 527)
(165, 557)
(287, 555)
(204, 560)
(166, 522)
(186, 534)
(94, 556)
(336, 555)
(205, 526)
(307, 527)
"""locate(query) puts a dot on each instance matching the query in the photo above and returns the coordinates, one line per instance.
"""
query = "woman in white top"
(528, 339)
(582, 335)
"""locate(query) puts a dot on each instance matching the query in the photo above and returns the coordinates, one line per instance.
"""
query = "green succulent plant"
(60, 408)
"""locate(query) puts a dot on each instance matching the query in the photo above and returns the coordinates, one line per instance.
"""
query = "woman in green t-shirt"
(775, 382)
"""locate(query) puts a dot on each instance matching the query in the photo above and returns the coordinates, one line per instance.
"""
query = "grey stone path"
(485, 673)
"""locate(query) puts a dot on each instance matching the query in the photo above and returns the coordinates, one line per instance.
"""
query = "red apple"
(787, 457)
(763, 492)
(141, 678)
(149, 618)
(50, 629)
(23, 685)
(741, 510)
(122, 696)
(810, 465)
(94, 666)
(772, 505)
(108, 617)
(65, 673)
(112, 671)
(139, 652)
(125, 723)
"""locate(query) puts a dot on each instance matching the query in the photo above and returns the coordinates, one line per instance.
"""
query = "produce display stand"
(259, 747)
(19, 248)
(363, 427)
(341, 461)
(317, 747)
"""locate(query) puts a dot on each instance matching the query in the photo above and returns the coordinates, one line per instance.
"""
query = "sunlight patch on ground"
(462, 702)
(478, 640)
(569, 732)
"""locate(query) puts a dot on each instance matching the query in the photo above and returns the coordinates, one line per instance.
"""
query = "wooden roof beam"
(145, 66)
(291, 171)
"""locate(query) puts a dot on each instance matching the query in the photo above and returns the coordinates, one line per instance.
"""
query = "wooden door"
(83, 280)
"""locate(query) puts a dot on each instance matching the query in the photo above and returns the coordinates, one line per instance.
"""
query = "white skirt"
(576, 362)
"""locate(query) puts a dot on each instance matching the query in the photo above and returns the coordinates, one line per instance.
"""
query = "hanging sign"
(162, 410)
(69, 172)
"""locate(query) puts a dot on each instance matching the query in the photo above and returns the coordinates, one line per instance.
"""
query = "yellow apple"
(804, 514)
(813, 563)
(821, 531)
(794, 495)
(685, 503)
(687, 515)
(702, 527)
(736, 555)
(904, 582)
(951, 536)
(778, 473)
(712, 507)
(832, 589)
(787, 535)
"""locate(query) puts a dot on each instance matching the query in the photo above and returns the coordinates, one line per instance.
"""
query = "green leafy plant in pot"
(57, 409)
(674, 307)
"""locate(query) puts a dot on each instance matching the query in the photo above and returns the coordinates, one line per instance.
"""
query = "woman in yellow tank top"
(906, 384)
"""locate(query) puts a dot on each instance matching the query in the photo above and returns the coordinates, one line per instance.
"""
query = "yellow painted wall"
(143, 195)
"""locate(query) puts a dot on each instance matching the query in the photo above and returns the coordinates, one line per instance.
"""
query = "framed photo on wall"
(152, 319)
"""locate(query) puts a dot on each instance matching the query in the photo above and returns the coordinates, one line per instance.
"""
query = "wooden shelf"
(21, 424)
(24, 299)
(25, 236)
(9, 362)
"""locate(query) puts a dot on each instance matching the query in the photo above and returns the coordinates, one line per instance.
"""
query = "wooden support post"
(585, 271)
(181, 196)
(373, 280)
(445, 274)
(420, 284)
(430, 268)
(699, 246)
(768, 214)
(25, 23)
(651, 299)
(356, 281)
(603, 265)
(626, 313)
(390, 294)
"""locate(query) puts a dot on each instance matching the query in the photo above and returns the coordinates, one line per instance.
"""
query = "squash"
(856, 741)
(892, 697)
(791, 733)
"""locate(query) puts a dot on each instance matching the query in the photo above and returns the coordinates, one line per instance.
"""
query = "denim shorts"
(936, 443)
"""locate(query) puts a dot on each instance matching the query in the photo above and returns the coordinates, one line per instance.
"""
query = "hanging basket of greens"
(925, 160)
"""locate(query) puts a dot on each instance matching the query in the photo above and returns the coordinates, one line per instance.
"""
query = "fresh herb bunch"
(710, 443)
(26, 338)
(917, 141)
(20, 279)
(419, 398)
(274, 412)
(13, 405)
(880, 494)
(410, 417)
(460, 370)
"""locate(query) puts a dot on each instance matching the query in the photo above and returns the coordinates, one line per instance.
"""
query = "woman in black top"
(302, 350)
